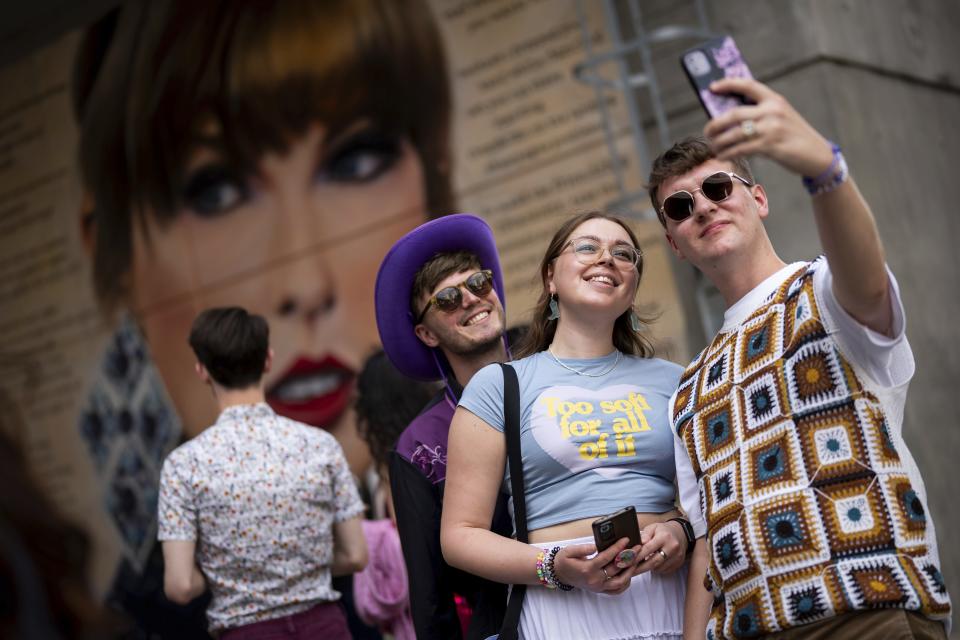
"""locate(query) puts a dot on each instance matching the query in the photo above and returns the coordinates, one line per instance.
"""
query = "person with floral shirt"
(258, 507)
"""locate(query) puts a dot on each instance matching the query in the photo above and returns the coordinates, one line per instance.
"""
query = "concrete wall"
(882, 79)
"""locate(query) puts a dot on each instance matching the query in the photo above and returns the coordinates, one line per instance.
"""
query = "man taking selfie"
(788, 425)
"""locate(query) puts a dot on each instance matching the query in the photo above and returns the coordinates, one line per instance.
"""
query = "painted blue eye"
(213, 190)
(361, 157)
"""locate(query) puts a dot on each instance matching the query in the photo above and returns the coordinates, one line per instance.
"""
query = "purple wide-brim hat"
(458, 232)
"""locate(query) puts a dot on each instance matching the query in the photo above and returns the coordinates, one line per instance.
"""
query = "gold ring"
(662, 554)
(749, 128)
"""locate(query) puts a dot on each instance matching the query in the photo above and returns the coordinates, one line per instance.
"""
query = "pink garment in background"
(464, 612)
(380, 590)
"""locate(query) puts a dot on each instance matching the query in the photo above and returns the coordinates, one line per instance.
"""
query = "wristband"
(687, 532)
(551, 557)
(835, 175)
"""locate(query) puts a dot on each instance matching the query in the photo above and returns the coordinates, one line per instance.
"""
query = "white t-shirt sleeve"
(887, 361)
(688, 489)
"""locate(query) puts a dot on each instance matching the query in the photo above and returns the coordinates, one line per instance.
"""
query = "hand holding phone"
(713, 60)
(621, 524)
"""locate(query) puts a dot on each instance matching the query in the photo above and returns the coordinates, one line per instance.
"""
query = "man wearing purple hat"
(440, 312)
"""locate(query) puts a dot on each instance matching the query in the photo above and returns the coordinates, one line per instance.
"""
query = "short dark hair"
(386, 402)
(232, 344)
(684, 156)
(435, 270)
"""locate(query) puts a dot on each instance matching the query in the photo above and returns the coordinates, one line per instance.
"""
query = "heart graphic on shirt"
(587, 430)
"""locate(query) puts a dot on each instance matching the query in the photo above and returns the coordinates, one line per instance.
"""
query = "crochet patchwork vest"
(810, 511)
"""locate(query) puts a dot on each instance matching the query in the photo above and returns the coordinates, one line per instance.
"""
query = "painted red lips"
(316, 392)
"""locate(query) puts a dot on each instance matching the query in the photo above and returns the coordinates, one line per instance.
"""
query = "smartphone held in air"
(622, 524)
(713, 60)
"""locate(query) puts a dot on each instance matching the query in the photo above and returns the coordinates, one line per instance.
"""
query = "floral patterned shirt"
(260, 494)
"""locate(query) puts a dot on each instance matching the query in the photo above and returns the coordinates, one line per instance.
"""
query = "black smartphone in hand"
(622, 524)
(714, 60)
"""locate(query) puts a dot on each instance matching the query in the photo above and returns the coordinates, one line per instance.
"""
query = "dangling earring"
(634, 321)
(554, 308)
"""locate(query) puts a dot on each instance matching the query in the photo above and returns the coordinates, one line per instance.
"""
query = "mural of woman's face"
(299, 242)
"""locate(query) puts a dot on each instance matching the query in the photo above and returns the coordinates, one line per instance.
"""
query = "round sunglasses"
(449, 299)
(716, 187)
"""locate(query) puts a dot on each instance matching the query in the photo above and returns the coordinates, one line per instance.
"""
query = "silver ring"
(605, 576)
(749, 128)
(660, 551)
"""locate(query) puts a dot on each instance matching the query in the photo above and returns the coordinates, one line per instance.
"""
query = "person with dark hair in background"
(259, 507)
(386, 402)
(809, 509)
(439, 303)
(260, 153)
(594, 438)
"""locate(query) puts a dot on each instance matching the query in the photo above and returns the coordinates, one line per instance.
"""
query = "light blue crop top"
(590, 446)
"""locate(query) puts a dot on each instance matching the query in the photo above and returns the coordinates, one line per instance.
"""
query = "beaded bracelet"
(835, 175)
(551, 557)
(542, 574)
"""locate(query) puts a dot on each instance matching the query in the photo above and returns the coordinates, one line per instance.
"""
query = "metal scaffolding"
(631, 52)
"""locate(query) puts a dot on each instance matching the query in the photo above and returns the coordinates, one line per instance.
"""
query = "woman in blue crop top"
(594, 438)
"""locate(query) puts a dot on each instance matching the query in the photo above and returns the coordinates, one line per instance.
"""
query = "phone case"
(621, 524)
(713, 60)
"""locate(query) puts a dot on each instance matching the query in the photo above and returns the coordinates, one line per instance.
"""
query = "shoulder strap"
(511, 430)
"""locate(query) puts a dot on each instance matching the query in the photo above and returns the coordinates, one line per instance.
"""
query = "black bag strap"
(511, 429)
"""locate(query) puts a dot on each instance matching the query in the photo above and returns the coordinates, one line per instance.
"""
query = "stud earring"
(554, 308)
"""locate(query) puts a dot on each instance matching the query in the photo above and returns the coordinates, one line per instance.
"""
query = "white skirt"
(652, 608)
